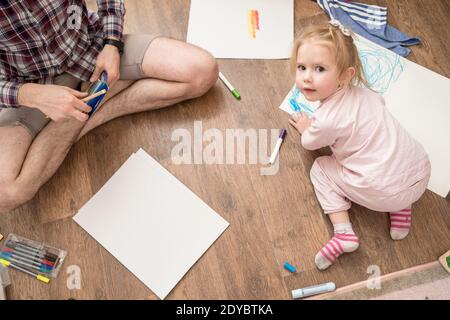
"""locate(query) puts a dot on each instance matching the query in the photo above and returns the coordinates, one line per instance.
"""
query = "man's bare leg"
(14, 142)
(45, 154)
(176, 71)
(182, 71)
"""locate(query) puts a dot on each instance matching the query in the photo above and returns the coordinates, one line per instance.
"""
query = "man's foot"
(400, 223)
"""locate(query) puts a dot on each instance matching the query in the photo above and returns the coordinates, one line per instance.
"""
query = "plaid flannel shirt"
(41, 39)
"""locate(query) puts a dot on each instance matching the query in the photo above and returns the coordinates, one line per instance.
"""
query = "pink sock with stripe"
(400, 223)
(343, 241)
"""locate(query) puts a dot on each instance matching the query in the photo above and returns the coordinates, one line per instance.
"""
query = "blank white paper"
(226, 29)
(151, 222)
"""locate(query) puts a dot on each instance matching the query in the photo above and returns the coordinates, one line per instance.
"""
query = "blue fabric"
(369, 21)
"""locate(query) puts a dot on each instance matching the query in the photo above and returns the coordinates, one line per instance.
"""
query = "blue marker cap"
(289, 267)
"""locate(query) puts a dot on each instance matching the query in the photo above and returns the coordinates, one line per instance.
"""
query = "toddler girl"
(375, 162)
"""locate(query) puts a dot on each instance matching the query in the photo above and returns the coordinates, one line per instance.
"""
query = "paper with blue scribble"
(417, 97)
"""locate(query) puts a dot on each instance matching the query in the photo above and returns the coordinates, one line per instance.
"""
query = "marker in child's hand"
(277, 146)
(229, 86)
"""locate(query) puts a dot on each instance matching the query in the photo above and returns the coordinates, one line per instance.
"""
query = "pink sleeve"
(318, 135)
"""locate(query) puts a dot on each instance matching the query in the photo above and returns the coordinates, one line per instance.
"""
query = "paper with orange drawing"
(251, 29)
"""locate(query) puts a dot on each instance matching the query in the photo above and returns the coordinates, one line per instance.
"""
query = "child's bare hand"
(300, 121)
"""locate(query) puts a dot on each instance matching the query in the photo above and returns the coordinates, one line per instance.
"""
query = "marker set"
(33, 258)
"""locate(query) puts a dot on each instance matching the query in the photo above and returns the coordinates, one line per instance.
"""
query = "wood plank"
(272, 218)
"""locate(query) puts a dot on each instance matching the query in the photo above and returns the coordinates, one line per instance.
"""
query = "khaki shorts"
(130, 69)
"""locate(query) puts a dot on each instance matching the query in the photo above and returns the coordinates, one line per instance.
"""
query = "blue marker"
(25, 262)
(289, 267)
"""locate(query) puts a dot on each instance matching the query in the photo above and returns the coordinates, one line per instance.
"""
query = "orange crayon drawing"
(253, 23)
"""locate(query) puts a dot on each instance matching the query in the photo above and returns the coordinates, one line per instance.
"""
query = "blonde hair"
(344, 48)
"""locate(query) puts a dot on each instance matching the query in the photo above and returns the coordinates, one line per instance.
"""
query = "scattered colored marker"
(229, 86)
(313, 290)
(277, 146)
(289, 267)
(35, 275)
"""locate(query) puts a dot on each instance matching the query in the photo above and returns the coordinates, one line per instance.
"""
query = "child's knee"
(316, 172)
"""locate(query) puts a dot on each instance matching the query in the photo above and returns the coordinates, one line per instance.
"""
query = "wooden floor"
(272, 218)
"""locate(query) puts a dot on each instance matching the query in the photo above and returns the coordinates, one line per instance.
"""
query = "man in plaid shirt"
(49, 50)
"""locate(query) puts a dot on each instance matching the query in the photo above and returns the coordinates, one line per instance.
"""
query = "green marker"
(229, 86)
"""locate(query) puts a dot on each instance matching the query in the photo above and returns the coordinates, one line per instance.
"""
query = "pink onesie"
(375, 162)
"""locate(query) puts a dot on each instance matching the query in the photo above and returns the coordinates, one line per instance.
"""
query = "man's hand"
(57, 102)
(300, 121)
(107, 60)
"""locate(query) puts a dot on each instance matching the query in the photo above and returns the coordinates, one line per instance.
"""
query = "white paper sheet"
(418, 98)
(226, 28)
(151, 222)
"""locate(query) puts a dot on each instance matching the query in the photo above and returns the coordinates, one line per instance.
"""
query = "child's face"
(317, 75)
